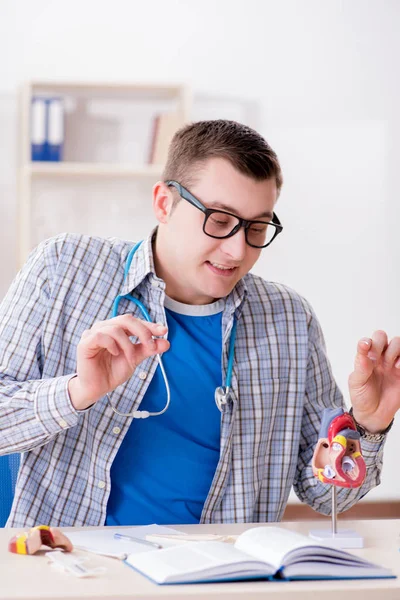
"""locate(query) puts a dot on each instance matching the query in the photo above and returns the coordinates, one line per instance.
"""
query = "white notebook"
(258, 553)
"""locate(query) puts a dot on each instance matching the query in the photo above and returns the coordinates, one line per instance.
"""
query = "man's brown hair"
(244, 148)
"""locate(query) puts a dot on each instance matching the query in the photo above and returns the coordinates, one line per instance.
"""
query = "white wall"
(321, 81)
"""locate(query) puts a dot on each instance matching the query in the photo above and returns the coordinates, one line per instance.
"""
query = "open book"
(258, 553)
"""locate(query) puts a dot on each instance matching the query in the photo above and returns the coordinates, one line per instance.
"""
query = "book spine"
(55, 129)
(38, 129)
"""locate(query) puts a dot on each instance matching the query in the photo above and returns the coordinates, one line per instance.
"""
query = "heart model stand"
(338, 461)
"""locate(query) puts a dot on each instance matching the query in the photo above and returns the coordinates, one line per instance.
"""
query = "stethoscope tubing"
(221, 393)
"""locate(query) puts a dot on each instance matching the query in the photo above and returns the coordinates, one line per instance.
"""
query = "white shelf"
(137, 96)
(79, 169)
(110, 89)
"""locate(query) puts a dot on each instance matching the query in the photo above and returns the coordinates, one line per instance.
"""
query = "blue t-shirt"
(165, 465)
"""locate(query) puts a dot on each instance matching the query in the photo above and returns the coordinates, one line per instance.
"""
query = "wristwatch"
(366, 435)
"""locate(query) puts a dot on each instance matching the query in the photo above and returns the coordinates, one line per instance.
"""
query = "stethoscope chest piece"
(221, 397)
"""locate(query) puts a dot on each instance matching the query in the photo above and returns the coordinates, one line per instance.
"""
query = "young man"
(72, 378)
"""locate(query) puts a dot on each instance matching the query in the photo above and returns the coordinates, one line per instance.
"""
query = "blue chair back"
(9, 466)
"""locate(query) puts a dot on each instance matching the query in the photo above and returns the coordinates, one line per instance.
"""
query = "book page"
(272, 544)
(194, 559)
(298, 557)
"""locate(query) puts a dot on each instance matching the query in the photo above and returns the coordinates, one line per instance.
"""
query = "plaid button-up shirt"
(281, 383)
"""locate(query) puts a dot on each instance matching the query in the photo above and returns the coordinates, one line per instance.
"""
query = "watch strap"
(367, 435)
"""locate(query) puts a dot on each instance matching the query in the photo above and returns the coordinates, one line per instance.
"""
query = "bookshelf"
(108, 137)
(82, 169)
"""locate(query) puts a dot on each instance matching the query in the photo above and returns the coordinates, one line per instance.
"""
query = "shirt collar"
(236, 299)
(142, 266)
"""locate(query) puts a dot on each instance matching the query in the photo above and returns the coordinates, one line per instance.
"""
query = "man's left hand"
(375, 382)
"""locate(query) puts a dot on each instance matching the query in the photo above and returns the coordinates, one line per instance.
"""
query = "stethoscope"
(221, 393)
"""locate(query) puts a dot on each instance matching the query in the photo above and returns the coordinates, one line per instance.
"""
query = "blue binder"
(38, 129)
(55, 129)
(47, 129)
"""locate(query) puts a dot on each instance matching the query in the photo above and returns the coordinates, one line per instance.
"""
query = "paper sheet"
(102, 541)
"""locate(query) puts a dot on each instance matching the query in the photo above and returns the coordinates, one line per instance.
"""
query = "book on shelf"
(38, 128)
(47, 129)
(270, 553)
(55, 129)
(164, 127)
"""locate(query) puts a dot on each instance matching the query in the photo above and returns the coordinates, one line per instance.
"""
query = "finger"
(363, 365)
(136, 352)
(129, 322)
(379, 345)
(132, 325)
(98, 341)
(143, 330)
(133, 353)
(130, 335)
(124, 343)
(391, 355)
(142, 351)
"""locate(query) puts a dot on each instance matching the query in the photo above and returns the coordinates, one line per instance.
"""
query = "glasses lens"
(220, 224)
(260, 234)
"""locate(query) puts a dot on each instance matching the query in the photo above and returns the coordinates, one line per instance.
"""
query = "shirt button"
(142, 375)
(63, 423)
(116, 430)
(154, 283)
(101, 485)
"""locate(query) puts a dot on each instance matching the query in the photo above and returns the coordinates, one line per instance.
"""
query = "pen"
(130, 538)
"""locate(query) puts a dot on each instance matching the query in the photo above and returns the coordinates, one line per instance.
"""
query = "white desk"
(23, 577)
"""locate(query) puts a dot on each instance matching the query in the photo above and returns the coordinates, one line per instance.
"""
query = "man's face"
(197, 268)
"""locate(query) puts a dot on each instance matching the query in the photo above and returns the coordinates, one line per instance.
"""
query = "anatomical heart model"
(337, 461)
(337, 457)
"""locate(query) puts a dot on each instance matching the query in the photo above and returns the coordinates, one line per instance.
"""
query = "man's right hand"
(106, 357)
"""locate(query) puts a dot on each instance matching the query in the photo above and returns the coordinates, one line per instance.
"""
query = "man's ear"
(162, 201)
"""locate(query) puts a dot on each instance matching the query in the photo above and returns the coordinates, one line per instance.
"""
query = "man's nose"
(235, 246)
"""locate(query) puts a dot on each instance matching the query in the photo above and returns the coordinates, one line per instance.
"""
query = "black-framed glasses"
(221, 224)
